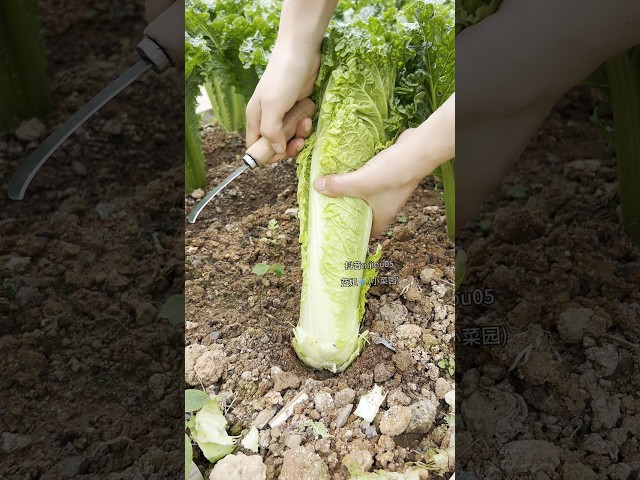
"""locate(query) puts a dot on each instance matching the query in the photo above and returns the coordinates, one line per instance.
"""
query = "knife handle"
(261, 151)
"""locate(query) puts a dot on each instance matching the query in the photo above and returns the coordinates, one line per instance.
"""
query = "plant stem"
(228, 106)
(624, 83)
(24, 87)
(449, 184)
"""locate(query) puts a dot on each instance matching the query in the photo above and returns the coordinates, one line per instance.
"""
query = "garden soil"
(89, 373)
(559, 399)
(246, 322)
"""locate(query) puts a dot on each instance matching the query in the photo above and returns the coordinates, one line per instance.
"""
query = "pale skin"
(389, 178)
(513, 67)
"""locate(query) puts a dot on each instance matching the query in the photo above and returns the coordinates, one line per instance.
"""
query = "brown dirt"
(87, 366)
(252, 317)
(561, 247)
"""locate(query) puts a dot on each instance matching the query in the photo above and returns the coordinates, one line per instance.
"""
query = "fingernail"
(299, 149)
(307, 125)
(277, 147)
(320, 184)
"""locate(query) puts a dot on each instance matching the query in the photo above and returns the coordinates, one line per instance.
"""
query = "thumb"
(345, 185)
(271, 128)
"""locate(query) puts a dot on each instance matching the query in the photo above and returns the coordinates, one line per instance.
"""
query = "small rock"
(403, 360)
(395, 420)
(263, 417)
(284, 380)
(198, 193)
(104, 210)
(409, 331)
(323, 402)
(27, 295)
(383, 372)
(358, 460)
(301, 464)
(394, 313)
(18, 264)
(31, 130)
(442, 387)
(578, 168)
(572, 323)
(423, 415)
(427, 275)
(529, 456)
(78, 168)
(606, 411)
(605, 358)
(342, 415)
(12, 442)
(191, 354)
(398, 397)
(239, 467)
(291, 212)
(293, 440)
(578, 471)
(188, 326)
(344, 397)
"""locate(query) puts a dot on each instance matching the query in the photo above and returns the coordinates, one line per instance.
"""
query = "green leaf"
(278, 269)
(260, 269)
(517, 191)
(188, 455)
(485, 224)
(195, 400)
(173, 309)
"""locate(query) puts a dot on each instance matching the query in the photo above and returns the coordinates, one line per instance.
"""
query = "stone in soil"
(383, 372)
(204, 364)
(344, 397)
(529, 456)
(302, 464)
(395, 420)
(12, 442)
(239, 467)
(263, 417)
(423, 416)
(31, 130)
(323, 402)
(394, 313)
(342, 415)
(285, 380)
(358, 460)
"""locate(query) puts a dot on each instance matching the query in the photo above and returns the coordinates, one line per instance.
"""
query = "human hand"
(385, 182)
(288, 78)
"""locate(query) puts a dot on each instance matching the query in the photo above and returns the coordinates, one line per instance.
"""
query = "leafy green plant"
(24, 87)
(262, 268)
(448, 366)
(380, 72)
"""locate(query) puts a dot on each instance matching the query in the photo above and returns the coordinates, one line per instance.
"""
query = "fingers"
(271, 126)
(345, 185)
(254, 113)
(304, 128)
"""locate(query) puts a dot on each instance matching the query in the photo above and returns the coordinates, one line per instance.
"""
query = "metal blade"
(29, 167)
(202, 203)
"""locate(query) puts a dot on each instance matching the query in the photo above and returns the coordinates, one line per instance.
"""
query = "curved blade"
(29, 167)
(203, 203)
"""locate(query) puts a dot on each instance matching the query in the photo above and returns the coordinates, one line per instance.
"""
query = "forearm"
(303, 23)
(434, 141)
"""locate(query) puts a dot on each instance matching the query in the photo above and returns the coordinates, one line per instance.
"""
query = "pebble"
(113, 126)
(423, 416)
(383, 372)
(28, 295)
(293, 440)
(198, 193)
(606, 411)
(17, 264)
(299, 463)
(263, 417)
(208, 366)
(398, 397)
(31, 130)
(78, 168)
(442, 387)
(605, 358)
(395, 420)
(342, 415)
(578, 471)
(394, 313)
(291, 212)
(403, 360)
(427, 275)
(104, 210)
(529, 456)
(358, 460)
(409, 331)
(239, 467)
(323, 402)
(572, 323)
(285, 380)
(12, 442)
(344, 397)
